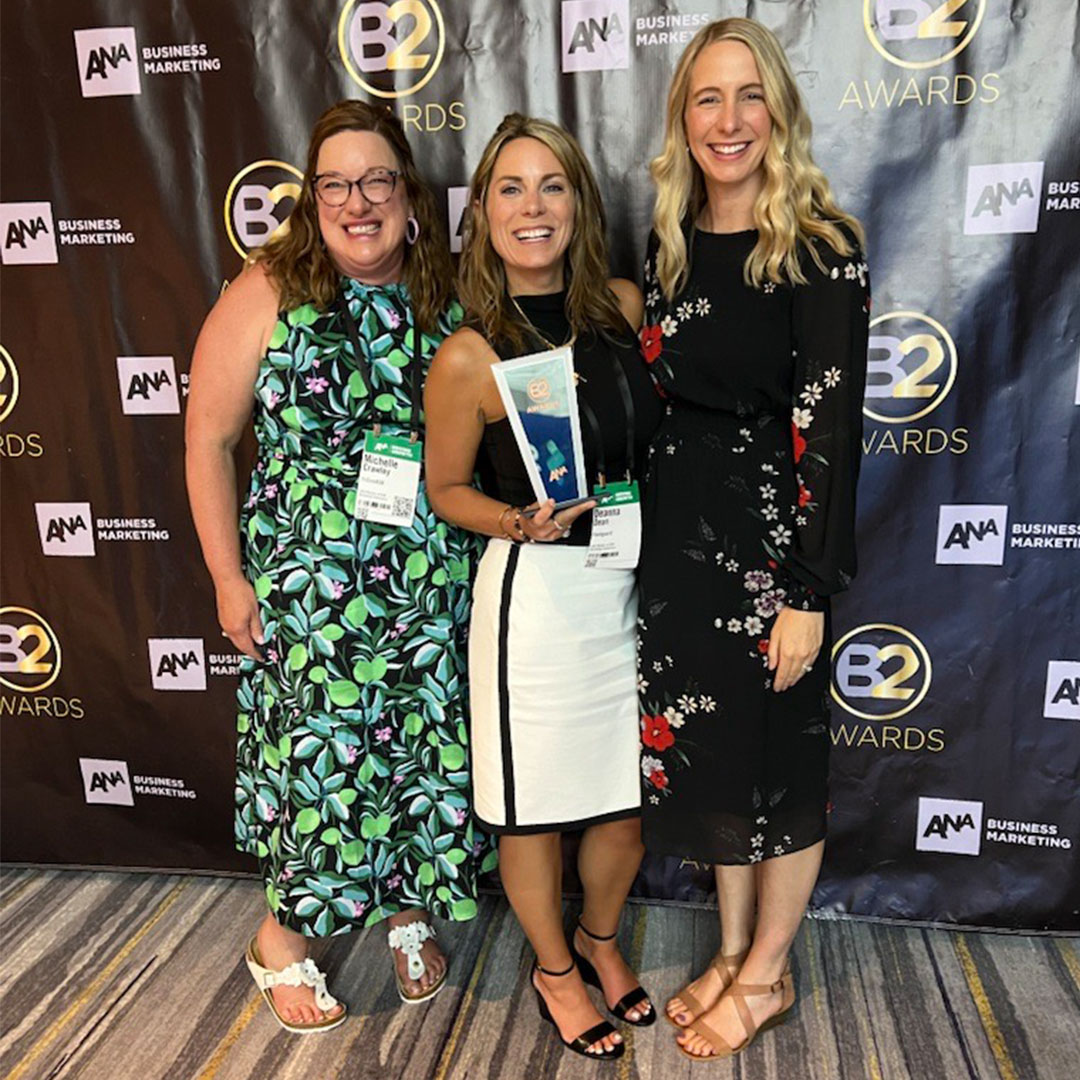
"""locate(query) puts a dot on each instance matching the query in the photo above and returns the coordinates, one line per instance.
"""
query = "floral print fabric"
(749, 507)
(352, 760)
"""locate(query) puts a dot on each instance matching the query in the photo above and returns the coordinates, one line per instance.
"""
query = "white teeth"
(735, 148)
(533, 234)
(363, 230)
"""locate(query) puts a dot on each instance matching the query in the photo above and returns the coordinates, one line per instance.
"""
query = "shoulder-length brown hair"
(297, 258)
(796, 203)
(590, 304)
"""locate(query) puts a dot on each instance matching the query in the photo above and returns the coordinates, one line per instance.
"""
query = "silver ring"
(563, 529)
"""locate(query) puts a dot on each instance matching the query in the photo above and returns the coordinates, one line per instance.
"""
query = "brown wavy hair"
(795, 204)
(590, 304)
(297, 259)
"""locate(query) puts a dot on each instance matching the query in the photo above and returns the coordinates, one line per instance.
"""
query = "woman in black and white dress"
(552, 650)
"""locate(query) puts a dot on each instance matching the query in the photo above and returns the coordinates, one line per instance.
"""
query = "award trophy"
(541, 405)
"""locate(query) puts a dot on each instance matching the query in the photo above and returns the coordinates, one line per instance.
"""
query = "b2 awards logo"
(919, 34)
(9, 384)
(952, 826)
(65, 528)
(1062, 700)
(880, 671)
(177, 663)
(148, 385)
(29, 235)
(260, 198)
(595, 35)
(108, 61)
(1003, 198)
(971, 534)
(30, 655)
(910, 369)
(391, 50)
(106, 780)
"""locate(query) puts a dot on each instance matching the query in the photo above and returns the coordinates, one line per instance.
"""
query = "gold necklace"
(578, 377)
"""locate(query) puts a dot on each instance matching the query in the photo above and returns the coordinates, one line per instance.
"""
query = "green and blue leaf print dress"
(352, 763)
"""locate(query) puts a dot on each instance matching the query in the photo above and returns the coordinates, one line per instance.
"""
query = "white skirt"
(552, 690)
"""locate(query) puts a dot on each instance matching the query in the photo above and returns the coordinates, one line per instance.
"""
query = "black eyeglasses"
(376, 185)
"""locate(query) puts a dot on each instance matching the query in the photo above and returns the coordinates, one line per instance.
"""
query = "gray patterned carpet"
(117, 976)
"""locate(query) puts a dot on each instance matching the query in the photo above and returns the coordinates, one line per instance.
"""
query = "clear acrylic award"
(541, 405)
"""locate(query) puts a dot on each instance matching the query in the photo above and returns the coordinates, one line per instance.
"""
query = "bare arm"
(459, 397)
(223, 372)
(631, 302)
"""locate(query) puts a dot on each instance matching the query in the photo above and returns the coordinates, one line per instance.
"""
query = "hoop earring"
(412, 231)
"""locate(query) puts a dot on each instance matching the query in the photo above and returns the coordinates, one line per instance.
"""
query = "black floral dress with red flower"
(749, 506)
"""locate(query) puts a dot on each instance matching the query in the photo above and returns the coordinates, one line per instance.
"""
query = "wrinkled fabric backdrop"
(146, 147)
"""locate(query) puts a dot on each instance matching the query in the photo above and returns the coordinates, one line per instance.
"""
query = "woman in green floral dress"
(352, 774)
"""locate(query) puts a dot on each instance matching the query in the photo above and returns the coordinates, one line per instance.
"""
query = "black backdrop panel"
(146, 146)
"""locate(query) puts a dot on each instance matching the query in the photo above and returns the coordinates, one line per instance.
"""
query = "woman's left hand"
(794, 644)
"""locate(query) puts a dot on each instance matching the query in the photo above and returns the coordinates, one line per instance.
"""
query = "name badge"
(389, 479)
(615, 543)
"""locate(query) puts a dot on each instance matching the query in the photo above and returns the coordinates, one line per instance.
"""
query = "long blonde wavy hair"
(297, 259)
(590, 304)
(795, 204)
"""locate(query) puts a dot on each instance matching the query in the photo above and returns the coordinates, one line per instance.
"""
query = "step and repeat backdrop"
(148, 147)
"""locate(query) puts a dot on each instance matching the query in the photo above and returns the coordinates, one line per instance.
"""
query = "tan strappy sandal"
(727, 967)
(738, 993)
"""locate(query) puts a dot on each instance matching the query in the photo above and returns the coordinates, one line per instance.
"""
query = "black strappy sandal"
(581, 1044)
(633, 1000)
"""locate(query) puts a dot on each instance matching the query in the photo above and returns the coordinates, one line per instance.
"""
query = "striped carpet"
(117, 976)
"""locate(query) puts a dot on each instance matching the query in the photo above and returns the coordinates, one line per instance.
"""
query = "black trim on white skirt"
(555, 826)
(504, 687)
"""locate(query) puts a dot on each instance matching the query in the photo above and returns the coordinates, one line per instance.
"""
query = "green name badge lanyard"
(615, 541)
(389, 479)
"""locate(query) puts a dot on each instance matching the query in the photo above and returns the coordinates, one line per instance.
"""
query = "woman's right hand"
(545, 525)
(238, 614)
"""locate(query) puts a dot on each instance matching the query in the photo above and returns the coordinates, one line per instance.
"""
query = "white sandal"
(302, 973)
(409, 940)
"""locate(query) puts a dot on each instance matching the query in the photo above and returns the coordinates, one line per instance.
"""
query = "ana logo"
(538, 390)
(910, 367)
(108, 61)
(1003, 198)
(1062, 700)
(258, 203)
(403, 41)
(177, 663)
(65, 528)
(595, 35)
(972, 534)
(29, 651)
(457, 202)
(147, 385)
(28, 233)
(953, 826)
(921, 33)
(9, 384)
(106, 781)
(880, 671)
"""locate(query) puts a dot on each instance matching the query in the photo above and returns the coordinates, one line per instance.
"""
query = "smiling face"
(530, 215)
(727, 124)
(366, 241)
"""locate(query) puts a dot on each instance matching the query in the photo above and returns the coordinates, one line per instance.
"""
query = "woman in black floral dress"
(756, 330)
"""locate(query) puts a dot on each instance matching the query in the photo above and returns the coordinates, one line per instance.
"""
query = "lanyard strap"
(596, 436)
(631, 416)
(414, 363)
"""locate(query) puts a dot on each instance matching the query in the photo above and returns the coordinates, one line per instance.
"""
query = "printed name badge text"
(615, 543)
(389, 479)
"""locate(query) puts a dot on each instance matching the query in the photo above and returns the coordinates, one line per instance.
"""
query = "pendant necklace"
(578, 377)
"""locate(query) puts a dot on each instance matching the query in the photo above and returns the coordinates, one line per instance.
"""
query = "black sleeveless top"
(499, 466)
